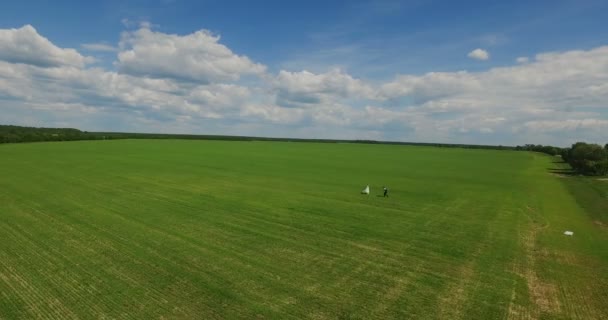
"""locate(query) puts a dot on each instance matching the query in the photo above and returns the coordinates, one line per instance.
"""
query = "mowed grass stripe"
(183, 229)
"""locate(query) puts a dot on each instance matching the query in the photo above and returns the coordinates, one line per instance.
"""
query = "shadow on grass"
(561, 171)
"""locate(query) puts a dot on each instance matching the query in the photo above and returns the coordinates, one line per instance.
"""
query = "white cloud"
(272, 113)
(568, 89)
(25, 45)
(567, 125)
(522, 60)
(103, 47)
(430, 86)
(197, 57)
(553, 80)
(296, 89)
(124, 94)
(479, 54)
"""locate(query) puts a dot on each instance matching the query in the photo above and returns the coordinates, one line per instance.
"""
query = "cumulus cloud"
(430, 86)
(479, 54)
(522, 60)
(105, 91)
(25, 45)
(296, 89)
(197, 57)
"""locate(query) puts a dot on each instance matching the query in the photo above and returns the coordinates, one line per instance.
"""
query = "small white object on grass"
(569, 233)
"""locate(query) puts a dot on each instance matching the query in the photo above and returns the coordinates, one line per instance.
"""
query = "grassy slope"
(207, 229)
(591, 194)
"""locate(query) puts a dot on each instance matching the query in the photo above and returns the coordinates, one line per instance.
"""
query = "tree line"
(584, 158)
(14, 134)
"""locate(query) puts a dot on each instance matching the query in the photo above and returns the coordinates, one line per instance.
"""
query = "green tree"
(588, 159)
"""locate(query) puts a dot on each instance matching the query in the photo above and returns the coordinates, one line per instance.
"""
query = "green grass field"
(148, 229)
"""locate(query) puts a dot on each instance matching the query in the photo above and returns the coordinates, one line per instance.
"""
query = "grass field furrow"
(182, 263)
(60, 270)
(26, 246)
(137, 229)
(76, 264)
(34, 291)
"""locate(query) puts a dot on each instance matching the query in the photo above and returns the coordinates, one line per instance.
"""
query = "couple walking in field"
(366, 191)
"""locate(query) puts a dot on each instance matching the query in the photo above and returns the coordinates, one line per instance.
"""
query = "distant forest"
(584, 158)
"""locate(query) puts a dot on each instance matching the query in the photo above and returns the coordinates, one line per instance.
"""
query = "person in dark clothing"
(385, 191)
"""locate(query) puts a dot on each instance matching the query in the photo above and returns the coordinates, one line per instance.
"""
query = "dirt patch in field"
(543, 295)
(600, 224)
(454, 298)
(391, 295)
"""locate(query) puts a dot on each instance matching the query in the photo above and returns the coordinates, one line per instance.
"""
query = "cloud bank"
(194, 84)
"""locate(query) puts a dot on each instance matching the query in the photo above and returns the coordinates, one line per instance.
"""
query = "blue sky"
(496, 72)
